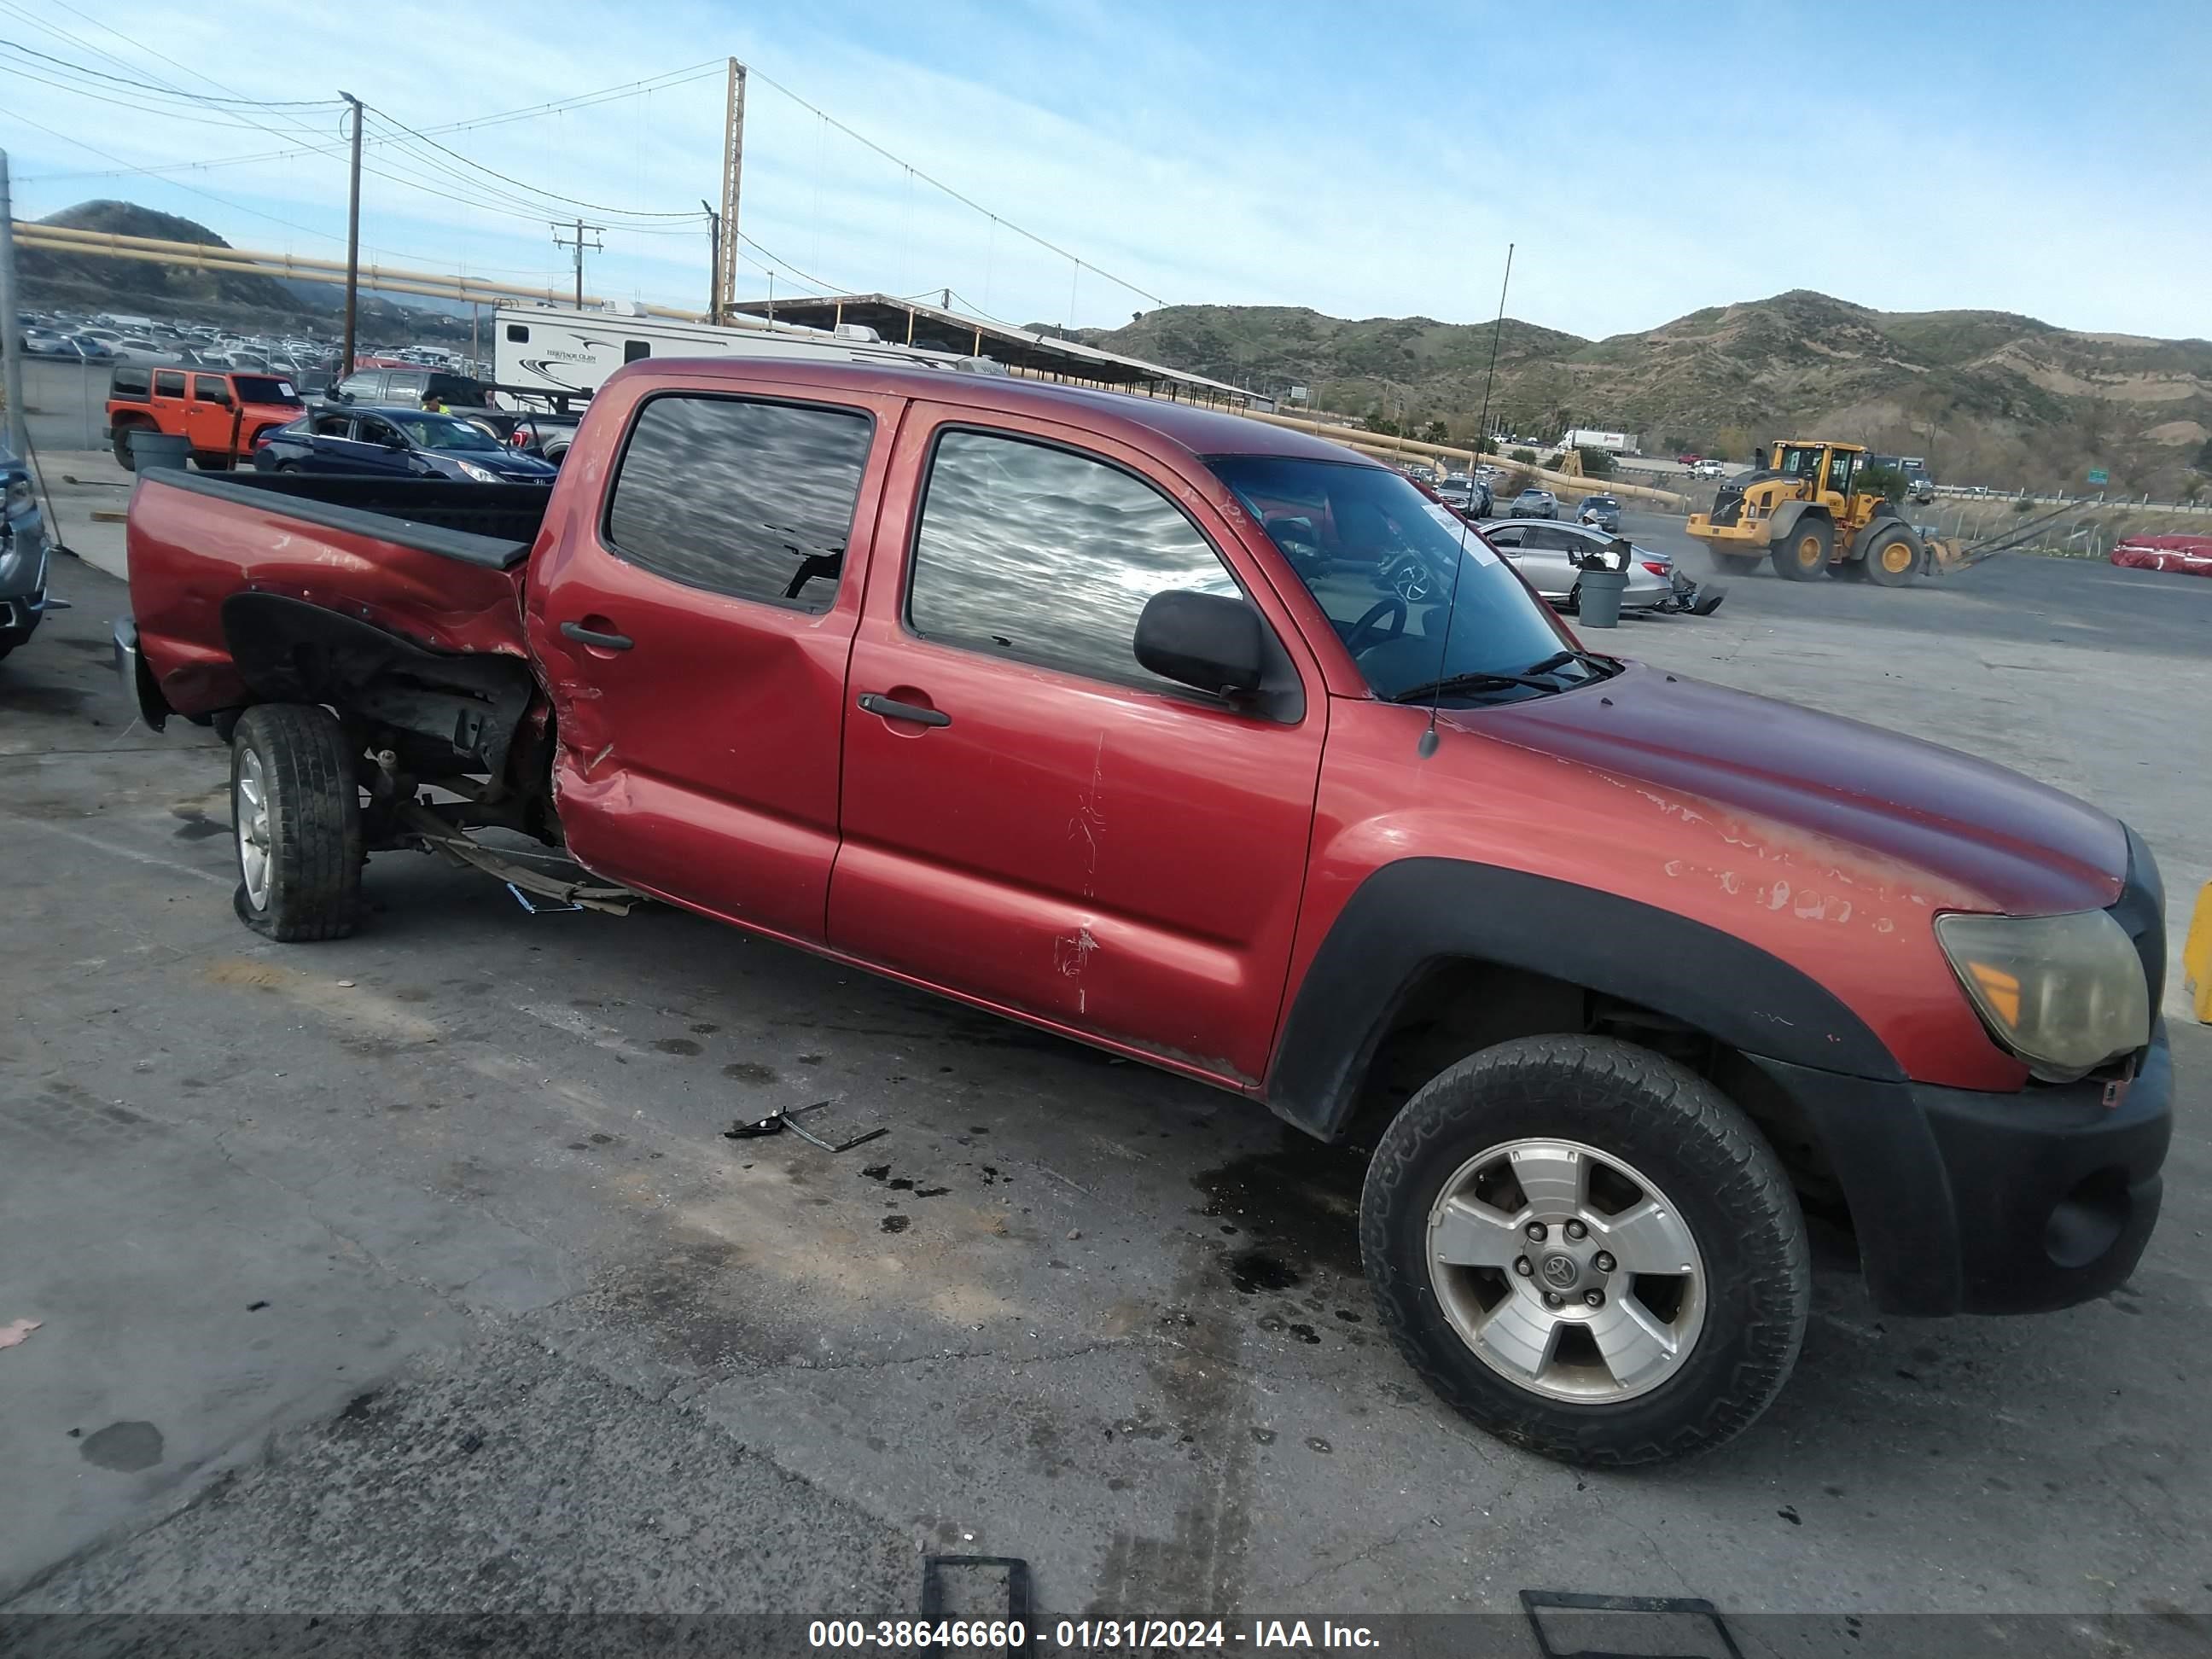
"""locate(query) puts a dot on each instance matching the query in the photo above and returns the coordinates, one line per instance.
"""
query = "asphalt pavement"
(414, 1272)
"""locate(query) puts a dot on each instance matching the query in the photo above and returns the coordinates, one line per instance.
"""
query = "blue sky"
(1364, 160)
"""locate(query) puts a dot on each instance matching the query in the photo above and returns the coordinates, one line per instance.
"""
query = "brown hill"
(136, 285)
(1988, 397)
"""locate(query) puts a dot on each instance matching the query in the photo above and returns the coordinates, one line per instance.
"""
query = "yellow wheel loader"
(1797, 509)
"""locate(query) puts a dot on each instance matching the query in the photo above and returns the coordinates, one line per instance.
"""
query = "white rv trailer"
(561, 348)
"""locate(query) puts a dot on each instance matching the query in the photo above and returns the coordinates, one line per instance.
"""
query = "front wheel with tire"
(1892, 556)
(295, 818)
(1803, 554)
(1587, 1249)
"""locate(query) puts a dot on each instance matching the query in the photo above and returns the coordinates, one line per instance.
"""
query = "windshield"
(264, 389)
(443, 432)
(1378, 557)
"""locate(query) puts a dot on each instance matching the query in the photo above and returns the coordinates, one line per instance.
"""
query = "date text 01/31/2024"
(1087, 1634)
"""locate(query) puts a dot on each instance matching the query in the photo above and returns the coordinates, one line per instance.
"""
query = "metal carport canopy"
(911, 322)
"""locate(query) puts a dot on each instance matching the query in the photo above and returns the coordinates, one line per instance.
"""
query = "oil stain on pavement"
(125, 1447)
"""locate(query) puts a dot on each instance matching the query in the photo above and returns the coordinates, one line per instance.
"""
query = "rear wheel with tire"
(122, 441)
(1892, 555)
(295, 818)
(1587, 1249)
(1801, 556)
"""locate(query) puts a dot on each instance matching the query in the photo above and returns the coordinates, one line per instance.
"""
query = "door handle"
(890, 710)
(584, 635)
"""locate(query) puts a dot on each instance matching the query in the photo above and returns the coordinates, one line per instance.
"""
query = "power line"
(225, 201)
(167, 114)
(592, 207)
(165, 91)
(528, 113)
(912, 170)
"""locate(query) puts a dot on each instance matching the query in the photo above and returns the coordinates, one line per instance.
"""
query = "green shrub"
(1525, 457)
(1596, 463)
(1886, 481)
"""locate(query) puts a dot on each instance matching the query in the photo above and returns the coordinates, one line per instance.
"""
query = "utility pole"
(713, 263)
(11, 360)
(580, 245)
(733, 164)
(353, 240)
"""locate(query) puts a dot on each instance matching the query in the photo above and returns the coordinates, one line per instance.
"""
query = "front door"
(376, 448)
(208, 417)
(1030, 816)
(695, 638)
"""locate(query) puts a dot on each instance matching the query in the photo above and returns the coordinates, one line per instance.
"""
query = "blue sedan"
(396, 443)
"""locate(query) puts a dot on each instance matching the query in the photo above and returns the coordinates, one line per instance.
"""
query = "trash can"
(1597, 597)
(150, 450)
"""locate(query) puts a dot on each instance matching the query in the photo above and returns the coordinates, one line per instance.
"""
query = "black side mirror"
(1209, 641)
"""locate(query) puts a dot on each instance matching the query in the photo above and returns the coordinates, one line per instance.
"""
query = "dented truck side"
(1660, 966)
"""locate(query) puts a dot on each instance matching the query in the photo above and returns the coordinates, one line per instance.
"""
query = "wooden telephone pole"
(726, 228)
(353, 242)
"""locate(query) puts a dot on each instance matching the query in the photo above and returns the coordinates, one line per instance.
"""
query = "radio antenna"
(1428, 743)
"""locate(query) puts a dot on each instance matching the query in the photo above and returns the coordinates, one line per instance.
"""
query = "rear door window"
(749, 498)
(169, 383)
(362, 388)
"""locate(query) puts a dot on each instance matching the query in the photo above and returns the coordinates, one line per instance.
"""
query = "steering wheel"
(1394, 608)
(1408, 578)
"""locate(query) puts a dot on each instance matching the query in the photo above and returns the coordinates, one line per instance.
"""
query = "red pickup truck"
(1217, 746)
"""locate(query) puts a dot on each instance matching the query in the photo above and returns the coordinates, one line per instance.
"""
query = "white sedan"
(1545, 553)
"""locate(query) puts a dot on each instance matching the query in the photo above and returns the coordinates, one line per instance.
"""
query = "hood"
(2020, 846)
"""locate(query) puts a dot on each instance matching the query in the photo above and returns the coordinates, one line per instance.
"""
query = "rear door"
(694, 634)
(169, 400)
(1061, 832)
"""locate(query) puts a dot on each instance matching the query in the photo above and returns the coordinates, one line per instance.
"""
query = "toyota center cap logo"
(1560, 1271)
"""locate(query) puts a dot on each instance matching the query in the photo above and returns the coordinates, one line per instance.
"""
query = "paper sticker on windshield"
(1477, 549)
(284, 389)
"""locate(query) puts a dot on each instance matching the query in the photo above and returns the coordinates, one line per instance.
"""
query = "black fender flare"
(1787, 515)
(1416, 912)
(290, 650)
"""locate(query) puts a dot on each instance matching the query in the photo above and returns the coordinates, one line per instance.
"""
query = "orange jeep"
(222, 412)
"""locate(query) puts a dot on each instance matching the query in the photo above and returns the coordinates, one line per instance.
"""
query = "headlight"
(2065, 994)
(481, 474)
(19, 494)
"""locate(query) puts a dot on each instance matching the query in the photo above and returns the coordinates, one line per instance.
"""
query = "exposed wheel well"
(1458, 1007)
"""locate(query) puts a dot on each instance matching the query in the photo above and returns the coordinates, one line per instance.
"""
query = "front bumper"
(1965, 1202)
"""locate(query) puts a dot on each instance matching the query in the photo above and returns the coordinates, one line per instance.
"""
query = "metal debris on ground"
(777, 1122)
(523, 899)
